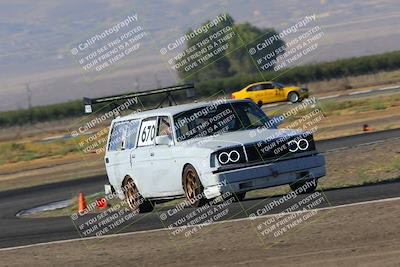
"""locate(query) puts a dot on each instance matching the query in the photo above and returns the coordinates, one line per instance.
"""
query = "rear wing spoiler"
(90, 102)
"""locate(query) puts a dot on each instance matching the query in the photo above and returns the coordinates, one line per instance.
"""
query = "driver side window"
(255, 88)
(268, 86)
(164, 126)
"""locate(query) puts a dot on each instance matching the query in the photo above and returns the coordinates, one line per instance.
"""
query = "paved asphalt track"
(21, 231)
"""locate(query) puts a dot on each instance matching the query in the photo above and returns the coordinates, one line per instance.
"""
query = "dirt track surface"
(362, 235)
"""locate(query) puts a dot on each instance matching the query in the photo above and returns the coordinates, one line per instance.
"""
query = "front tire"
(259, 103)
(293, 97)
(192, 187)
(136, 203)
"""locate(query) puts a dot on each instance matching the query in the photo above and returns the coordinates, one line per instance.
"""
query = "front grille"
(279, 148)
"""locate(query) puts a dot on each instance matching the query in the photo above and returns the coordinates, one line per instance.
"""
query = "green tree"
(233, 60)
(248, 37)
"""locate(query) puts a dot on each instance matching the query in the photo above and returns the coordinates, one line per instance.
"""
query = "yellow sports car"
(271, 92)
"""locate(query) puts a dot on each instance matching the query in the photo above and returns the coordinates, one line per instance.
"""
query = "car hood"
(240, 138)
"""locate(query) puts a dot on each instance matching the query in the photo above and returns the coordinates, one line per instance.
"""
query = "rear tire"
(192, 187)
(296, 185)
(293, 97)
(136, 203)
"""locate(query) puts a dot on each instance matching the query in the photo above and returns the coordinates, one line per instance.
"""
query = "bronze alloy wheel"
(132, 196)
(193, 187)
(136, 203)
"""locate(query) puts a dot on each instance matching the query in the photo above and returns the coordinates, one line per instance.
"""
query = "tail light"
(233, 96)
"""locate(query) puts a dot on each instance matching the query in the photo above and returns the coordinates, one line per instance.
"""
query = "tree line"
(205, 89)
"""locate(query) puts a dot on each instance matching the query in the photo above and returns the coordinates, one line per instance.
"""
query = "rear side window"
(123, 135)
(164, 126)
(131, 133)
(117, 136)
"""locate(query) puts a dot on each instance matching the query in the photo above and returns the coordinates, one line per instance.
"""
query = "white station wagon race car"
(202, 150)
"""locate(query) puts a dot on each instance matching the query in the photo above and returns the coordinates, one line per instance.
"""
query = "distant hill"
(36, 36)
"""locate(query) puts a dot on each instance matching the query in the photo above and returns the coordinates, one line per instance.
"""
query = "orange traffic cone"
(366, 128)
(82, 203)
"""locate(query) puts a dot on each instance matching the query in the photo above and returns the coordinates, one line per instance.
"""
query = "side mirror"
(163, 140)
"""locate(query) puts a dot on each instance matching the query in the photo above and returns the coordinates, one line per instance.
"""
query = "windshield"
(212, 120)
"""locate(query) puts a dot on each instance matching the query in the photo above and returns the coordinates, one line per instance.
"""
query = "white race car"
(202, 150)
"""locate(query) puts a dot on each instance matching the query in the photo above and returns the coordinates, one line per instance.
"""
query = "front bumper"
(265, 175)
(304, 95)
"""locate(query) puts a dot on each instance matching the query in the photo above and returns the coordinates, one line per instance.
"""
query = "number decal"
(147, 132)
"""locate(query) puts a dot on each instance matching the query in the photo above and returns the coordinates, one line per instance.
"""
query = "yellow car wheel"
(293, 97)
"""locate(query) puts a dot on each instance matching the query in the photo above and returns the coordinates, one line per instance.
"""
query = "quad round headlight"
(295, 145)
(232, 156)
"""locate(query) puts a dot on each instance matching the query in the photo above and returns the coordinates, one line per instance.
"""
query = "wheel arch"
(126, 179)
(292, 91)
(195, 167)
(129, 176)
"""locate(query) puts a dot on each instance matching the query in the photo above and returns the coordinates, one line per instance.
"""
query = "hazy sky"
(36, 38)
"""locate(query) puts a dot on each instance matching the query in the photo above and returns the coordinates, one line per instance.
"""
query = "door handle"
(151, 154)
(107, 161)
(133, 156)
